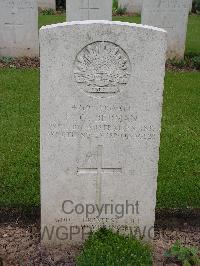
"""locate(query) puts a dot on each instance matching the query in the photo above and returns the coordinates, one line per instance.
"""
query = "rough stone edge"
(105, 22)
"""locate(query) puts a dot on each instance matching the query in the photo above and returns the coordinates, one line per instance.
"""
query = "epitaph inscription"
(102, 69)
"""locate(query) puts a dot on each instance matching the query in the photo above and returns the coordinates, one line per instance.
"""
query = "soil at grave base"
(126, 14)
(19, 63)
(34, 63)
(20, 245)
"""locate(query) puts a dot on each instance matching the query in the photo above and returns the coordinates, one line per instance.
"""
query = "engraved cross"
(99, 171)
(88, 8)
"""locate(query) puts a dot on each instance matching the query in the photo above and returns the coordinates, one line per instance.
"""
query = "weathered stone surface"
(190, 8)
(171, 15)
(46, 4)
(133, 6)
(88, 10)
(19, 28)
(101, 102)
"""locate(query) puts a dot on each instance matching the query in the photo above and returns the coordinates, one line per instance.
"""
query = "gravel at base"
(34, 63)
(20, 246)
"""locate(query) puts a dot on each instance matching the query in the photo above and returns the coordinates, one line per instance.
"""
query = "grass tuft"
(107, 248)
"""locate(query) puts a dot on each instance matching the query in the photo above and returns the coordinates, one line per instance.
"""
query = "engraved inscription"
(104, 121)
(102, 69)
(171, 4)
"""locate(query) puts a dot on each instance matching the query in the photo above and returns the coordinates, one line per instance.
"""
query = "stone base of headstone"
(132, 6)
(47, 4)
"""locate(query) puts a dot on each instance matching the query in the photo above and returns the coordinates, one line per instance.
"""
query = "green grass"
(53, 19)
(179, 173)
(19, 142)
(193, 33)
(179, 166)
(133, 19)
(50, 19)
(110, 249)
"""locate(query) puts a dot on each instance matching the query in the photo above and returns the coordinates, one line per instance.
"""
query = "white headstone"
(19, 28)
(78, 10)
(190, 8)
(101, 102)
(171, 15)
(47, 4)
(132, 6)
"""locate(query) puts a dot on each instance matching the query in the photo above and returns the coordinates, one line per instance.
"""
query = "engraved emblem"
(102, 69)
